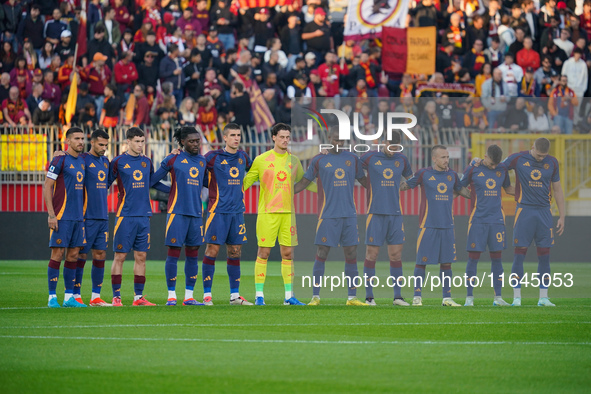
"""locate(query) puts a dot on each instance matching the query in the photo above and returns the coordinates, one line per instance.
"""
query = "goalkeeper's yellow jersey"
(277, 174)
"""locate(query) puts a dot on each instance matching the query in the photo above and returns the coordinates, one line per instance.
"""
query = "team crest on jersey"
(370, 239)
(194, 172)
(498, 174)
(339, 173)
(526, 164)
(234, 172)
(185, 161)
(173, 240)
(546, 166)
(213, 238)
(432, 178)
(119, 246)
(536, 174)
(201, 163)
(348, 163)
(449, 178)
(425, 259)
(91, 165)
(378, 163)
(240, 161)
(397, 164)
(137, 175)
(59, 242)
(281, 176)
(388, 173)
(473, 245)
(515, 240)
(79, 176)
(328, 165)
(490, 183)
(442, 188)
(323, 239)
(101, 175)
(144, 164)
(126, 166)
(481, 174)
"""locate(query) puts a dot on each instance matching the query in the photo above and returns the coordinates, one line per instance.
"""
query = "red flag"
(262, 3)
(82, 32)
(394, 50)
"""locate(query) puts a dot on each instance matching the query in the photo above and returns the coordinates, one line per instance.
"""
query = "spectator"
(494, 52)
(424, 14)
(53, 28)
(564, 42)
(366, 70)
(475, 59)
(51, 91)
(515, 118)
(111, 26)
(207, 118)
(456, 35)
(112, 108)
(546, 77)
(547, 13)
(81, 102)
(518, 43)
(32, 27)
(274, 45)
(88, 117)
(485, 74)
(444, 57)
(193, 72)
(528, 87)
(537, 121)
(94, 15)
(122, 16)
(35, 98)
(495, 95)
(512, 74)
(225, 22)
(477, 31)
(506, 33)
(30, 55)
(551, 32)
(531, 17)
(576, 70)
(210, 47)
(317, 34)
(12, 17)
(492, 19)
(577, 32)
(46, 55)
(330, 74)
(186, 115)
(528, 57)
(171, 70)
(445, 111)
(14, 108)
(239, 109)
(141, 35)
(141, 113)
(561, 105)
(272, 66)
(149, 46)
(584, 126)
(202, 15)
(100, 45)
(517, 18)
(66, 45)
(4, 86)
(189, 19)
(585, 18)
(429, 121)
(64, 75)
(43, 114)
(125, 73)
(126, 44)
(8, 57)
(291, 40)
(98, 75)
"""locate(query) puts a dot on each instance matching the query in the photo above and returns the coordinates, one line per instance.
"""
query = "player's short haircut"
(182, 133)
(436, 148)
(99, 133)
(230, 126)
(495, 153)
(542, 145)
(278, 127)
(396, 138)
(134, 132)
(73, 130)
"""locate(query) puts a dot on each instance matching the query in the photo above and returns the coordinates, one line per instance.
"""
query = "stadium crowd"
(193, 62)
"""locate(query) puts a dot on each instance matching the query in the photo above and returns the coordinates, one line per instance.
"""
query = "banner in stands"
(23, 152)
(411, 50)
(451, 89)
(365, 18)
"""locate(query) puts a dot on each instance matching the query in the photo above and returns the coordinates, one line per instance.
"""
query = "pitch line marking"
(313, 342)
(280, 324)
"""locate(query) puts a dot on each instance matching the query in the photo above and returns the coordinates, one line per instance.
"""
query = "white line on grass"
(313, 342)
(286, 324)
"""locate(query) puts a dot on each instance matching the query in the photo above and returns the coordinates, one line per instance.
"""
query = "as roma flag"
(411, 50)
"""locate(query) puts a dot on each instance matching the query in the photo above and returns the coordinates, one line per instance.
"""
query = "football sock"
(318, 273)
(69, 277)
(544, 270)
(287, 273)
(419, 275)
(170, 268)
(446, 278)
(53, 274)
(116, 284)
(191, 270)
(517, 270)
(471, 270)
(233, 268)
(260, 274)
(369, 270)
(351, 273)
(396, 272)
(208, 269)
(79, 274)
(138, 286)
(496, 267)
(97, 274)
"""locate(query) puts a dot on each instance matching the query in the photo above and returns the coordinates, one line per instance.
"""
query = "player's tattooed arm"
(464, 192)
(510, 190)
(301, 185)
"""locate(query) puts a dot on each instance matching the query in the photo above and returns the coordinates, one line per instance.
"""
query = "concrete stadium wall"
(25, 236)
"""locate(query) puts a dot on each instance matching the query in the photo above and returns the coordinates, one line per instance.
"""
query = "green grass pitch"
(330, 349)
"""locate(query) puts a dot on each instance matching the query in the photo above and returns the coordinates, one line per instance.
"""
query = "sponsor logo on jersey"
(481, 174)
(79, 176)
(526, 164)
(185, 161)
(442, 188)
(137, 175)
(328, 165)
(432, 178)
(234, 172)
(388, 173)
(127, 166)
(224, 162)
(71, 165)
(281, 176)
(536, 174)
(91, 165)
(490, 183)
(339, 173)
(378, 163)
(101, 175)
(194, 172)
